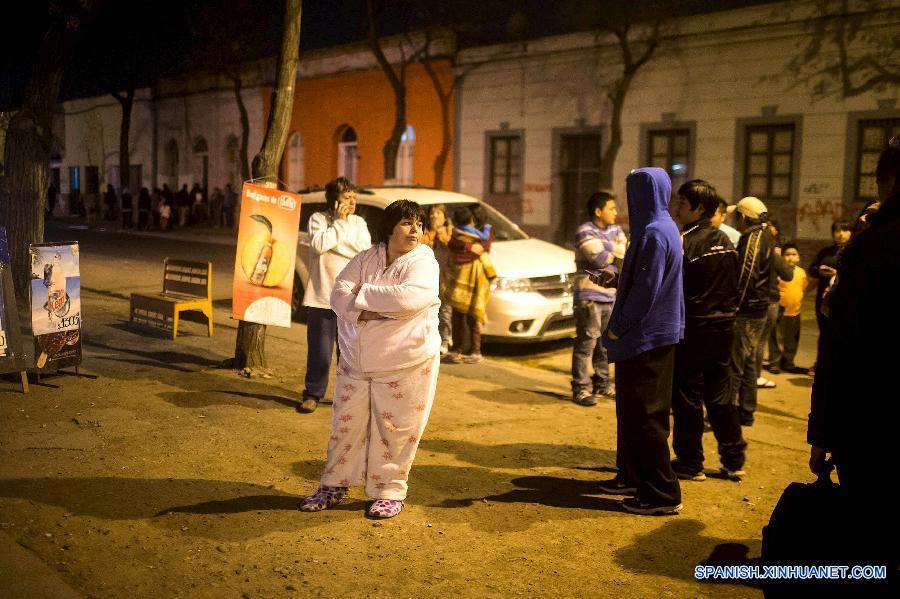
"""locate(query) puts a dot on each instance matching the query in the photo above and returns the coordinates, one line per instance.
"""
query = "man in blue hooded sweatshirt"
(647, 322)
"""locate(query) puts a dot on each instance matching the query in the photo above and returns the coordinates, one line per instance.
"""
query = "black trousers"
(643, 403)
(703, 377)
(789, 337)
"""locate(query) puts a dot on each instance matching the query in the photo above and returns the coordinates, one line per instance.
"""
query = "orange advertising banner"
(266, 253)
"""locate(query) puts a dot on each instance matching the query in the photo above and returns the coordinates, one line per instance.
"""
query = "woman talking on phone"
(335, 236)
(387, 303)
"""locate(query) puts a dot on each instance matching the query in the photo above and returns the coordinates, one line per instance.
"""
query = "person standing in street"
(387, 303)
(854, 409)
(143, 205)
(228, 205)
(109, 203)
(760, 266)
(599, 243)
(436, 236)
(216, 202)
(468, 286)
(127, 209)
(183, 205)
(335, 236)
(647, 322)
(718, 221)
(823, 269)
(702, 375)
(783, 345)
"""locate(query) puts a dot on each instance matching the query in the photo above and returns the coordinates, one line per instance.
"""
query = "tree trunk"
(440, 161)
(28, 142)
(127, 102)
(27, 172)
(250, 346)
(608, 161)
(392, 145)
(245, 126)
(619, 91)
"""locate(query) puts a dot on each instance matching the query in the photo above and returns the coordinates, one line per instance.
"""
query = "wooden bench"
(187, 287)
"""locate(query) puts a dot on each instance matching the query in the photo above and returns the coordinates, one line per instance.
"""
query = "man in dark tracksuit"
(760, 264)
(646, 323)
(702, 372)
(854, 407)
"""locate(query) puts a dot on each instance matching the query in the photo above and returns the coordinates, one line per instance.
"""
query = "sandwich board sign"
(55, 305)
(12, 358)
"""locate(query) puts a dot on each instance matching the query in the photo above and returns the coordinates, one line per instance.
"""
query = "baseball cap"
(750, 207)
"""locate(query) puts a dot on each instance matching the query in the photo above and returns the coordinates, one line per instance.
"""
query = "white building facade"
(183, 131)
(716, 102)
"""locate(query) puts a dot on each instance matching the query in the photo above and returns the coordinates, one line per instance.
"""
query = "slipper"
(764, 383)
(324, 498)
(385, 508)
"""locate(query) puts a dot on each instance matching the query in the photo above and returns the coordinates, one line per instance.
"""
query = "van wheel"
(298, 310)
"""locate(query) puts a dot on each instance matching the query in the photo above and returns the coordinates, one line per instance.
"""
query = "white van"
(531, 298)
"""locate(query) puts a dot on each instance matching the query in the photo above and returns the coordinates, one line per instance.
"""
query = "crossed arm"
(354, 300)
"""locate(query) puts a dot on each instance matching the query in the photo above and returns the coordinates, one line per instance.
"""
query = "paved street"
(169, 475)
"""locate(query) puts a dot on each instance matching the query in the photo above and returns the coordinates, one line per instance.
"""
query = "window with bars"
(505, 165)
(670, 149)
(769, 162)
(874, 135)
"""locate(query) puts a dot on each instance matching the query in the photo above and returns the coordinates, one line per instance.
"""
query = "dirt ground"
(170, 476)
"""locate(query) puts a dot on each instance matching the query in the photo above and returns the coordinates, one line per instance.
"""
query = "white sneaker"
(764, 383)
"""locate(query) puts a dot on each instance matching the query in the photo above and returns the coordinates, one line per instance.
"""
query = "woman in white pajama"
(387, 304)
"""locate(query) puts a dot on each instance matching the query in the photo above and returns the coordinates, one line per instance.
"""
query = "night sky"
(138, 41)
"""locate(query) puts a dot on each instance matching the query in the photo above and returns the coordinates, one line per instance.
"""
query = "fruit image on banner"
(266, 254)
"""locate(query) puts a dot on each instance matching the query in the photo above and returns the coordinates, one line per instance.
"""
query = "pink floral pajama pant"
(376, 424)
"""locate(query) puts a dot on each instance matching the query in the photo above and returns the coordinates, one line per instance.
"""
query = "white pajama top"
(406, 292)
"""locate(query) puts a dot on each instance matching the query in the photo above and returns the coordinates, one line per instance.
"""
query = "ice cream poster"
(56, 305)
(266, 253)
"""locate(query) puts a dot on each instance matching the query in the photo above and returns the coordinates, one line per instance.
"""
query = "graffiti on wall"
(817, 211)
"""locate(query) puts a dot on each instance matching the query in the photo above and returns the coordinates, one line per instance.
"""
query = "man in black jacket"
(702, 375)
(855, 411)
(759, 263)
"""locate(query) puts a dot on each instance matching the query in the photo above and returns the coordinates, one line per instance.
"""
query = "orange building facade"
(341, 121)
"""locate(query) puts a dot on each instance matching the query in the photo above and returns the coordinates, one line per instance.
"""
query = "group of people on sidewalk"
(680, 309)
(687, 320)
(163, 209)
(685, 330)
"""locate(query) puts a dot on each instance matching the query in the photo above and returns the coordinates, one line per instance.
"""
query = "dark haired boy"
(702, 359)
(783, 345)
(599, 242)
(824, 267)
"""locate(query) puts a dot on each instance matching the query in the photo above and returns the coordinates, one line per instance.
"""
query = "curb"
(175, 235)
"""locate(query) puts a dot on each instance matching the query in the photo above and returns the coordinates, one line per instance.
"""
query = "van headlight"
(508, 284)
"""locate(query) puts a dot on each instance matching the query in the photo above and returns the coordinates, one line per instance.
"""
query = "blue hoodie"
(649, 308)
